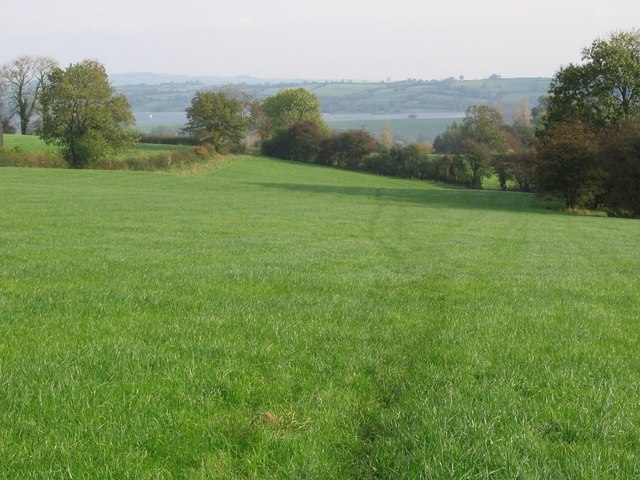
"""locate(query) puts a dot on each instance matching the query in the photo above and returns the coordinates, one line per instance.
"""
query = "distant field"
(415, 130)
(405, 129)
(360, 97)
(27, 143)
(276, 320)
(33, 143)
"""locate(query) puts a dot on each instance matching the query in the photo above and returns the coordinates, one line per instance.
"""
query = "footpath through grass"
(276, 320)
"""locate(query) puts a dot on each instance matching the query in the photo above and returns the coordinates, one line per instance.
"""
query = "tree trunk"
(1, 136)
(24, 119)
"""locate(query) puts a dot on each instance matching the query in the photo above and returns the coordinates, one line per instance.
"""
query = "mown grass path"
(276, 320)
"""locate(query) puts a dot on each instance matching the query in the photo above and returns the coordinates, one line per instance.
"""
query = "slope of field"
(275, 320)
(27, 143)
(33, 143)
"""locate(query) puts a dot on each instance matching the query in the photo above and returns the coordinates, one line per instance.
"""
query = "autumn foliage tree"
(301, 142)
(567, 164)
(589, 153)
(620, 158)
(349, 148)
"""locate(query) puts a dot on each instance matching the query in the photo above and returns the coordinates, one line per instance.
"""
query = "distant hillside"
(148, 78)
(152, 93)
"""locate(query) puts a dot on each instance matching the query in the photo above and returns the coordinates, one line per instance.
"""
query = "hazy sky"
(316, 39)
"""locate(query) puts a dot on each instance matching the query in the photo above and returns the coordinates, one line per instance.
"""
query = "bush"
(620, 213)
(162, 161)
(379, 163)
(17, 158)
(620, 158)
(566, 164)
(348, 149)
(301, 142)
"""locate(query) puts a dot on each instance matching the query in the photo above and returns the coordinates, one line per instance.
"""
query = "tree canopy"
(291, 106)
(216, 118)
(588, 153)
(605, 89)
(82, 113)
(482, 137)
(24, 79)
(567, 163)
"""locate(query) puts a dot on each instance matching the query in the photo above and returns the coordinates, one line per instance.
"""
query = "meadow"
(33, 144)
(272, 320)
(27, 143)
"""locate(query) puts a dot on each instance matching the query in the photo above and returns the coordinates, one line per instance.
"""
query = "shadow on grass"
(442, 198)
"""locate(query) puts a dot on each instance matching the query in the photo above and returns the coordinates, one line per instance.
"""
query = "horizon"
(280, 80)
(314, 39)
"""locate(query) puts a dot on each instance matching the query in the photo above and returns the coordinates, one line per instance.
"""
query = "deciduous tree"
(83, 114)
(605, 89)
(216, 118)
(567, 164)
(483, 136)
(25, 78)
(288, 107)
(386, 137)
(349, 148)
(620, 157)
(301, 142)
(450, 141)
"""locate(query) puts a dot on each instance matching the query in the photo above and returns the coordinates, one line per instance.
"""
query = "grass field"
(27, 143)
(267, 319)
(33, 143)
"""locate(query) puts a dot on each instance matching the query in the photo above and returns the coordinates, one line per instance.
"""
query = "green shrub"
(16, 157)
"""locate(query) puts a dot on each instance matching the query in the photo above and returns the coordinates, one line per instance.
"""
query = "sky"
(320, 40)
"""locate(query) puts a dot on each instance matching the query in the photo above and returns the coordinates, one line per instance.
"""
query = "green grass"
(151, 149)
(33, 143)
(27, 143)
(276, 320)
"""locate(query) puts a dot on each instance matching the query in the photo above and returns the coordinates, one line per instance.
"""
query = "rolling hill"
(353, 97)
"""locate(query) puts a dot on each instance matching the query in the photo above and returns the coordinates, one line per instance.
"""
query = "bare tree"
(24, 79)
(1, 118)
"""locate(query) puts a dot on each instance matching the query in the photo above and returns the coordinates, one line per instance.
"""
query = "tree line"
(581, 143)
(589, 152)
(77, 108)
